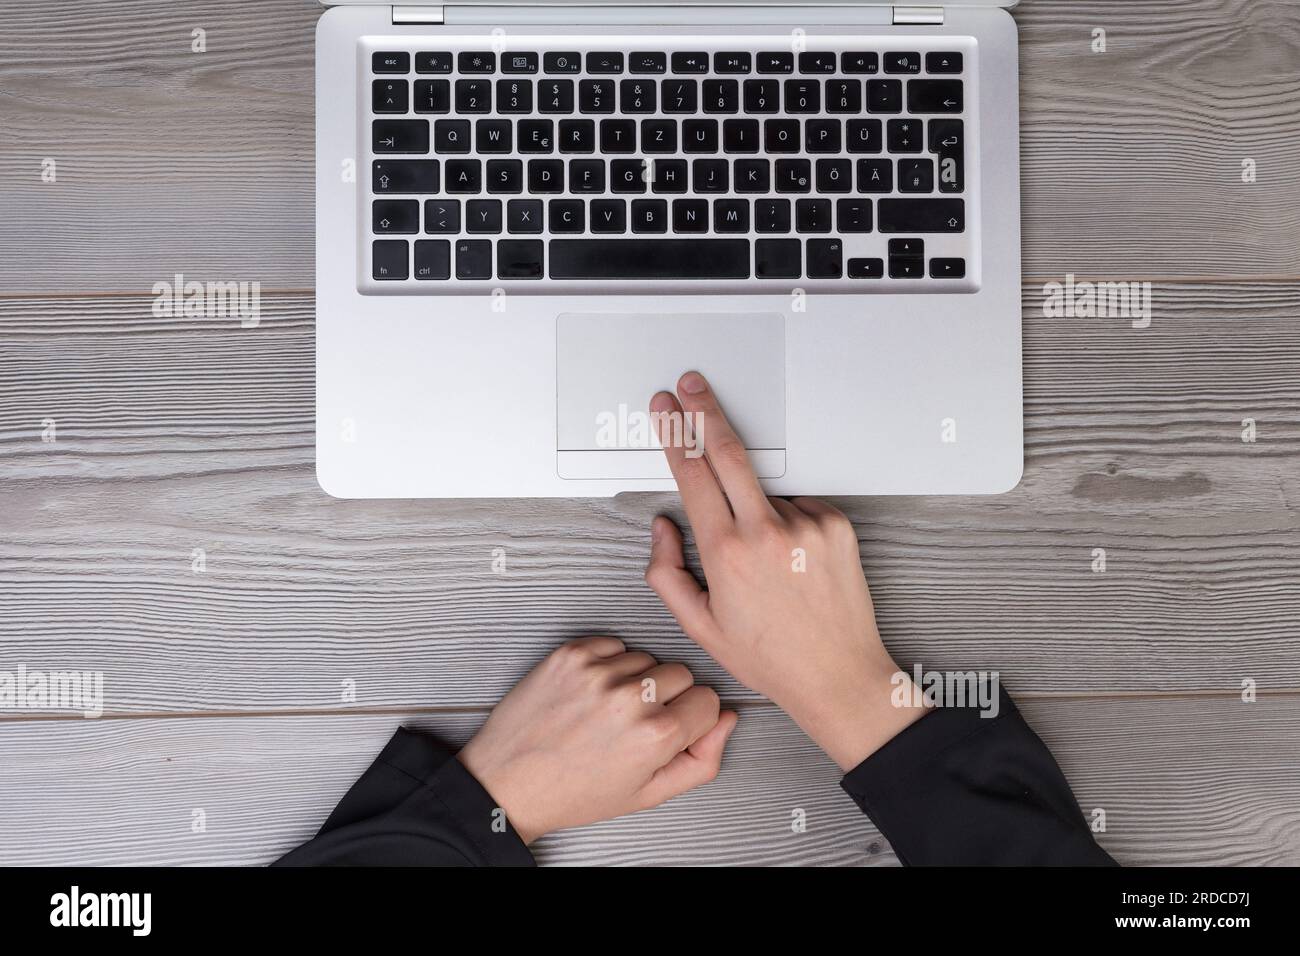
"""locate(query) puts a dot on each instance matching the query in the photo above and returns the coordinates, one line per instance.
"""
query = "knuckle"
(662, 730)
(729, 450)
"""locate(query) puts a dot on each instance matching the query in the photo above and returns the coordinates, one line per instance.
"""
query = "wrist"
(499, 782)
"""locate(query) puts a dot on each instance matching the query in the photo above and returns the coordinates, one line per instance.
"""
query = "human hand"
(787, 610)
(593, 732)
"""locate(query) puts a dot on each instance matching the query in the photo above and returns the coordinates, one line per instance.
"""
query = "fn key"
(390, 259)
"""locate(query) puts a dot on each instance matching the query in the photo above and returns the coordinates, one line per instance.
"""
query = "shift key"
(921, 215)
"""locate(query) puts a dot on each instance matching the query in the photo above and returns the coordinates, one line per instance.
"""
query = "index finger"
(702, 497)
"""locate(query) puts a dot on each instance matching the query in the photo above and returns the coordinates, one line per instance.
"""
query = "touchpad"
(610, 364)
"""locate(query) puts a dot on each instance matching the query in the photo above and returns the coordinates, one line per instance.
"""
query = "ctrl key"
(432, 259)
(474, 259)
(390, 259)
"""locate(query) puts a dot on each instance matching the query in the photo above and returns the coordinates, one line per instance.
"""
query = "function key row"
(652, 63)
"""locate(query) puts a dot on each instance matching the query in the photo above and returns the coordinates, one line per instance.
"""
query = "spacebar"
(649, 258)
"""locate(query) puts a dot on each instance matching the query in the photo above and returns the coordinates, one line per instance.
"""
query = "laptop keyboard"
(668, 166)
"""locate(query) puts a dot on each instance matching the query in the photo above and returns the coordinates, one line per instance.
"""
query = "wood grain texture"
(1181, 781)
(201, 163)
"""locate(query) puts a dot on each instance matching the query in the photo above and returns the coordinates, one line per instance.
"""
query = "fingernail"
(693, 383)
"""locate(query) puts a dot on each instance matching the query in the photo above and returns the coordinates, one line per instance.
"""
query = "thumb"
(677, 588)
(693, 767)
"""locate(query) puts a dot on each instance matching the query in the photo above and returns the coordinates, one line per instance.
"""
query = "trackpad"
(608, 365)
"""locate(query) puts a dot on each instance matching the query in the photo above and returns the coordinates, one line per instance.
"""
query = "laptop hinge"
(913, 15)
(417, 15)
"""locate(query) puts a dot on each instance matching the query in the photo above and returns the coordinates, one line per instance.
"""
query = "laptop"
(532, 217)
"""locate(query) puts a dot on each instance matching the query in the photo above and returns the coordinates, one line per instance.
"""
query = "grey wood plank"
(200, 163)
(1182, 781)
(178, 434)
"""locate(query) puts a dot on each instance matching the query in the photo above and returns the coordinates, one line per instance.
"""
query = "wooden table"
(225, 687)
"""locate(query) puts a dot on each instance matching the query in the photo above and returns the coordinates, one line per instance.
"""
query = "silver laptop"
(532, 217)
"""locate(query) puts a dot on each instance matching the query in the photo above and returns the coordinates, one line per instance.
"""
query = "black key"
(860, 63)
(433, 96)
(400, 136)
(519, 259)
(866, 268)
(433, 63)
(681, 96)
(395, 216)
(604, 63)
(404, 175)
(753, 175)
(943, 63)
(776, 63)
(493, 136)
(884, 96)
(562, 62)
(731, 215)
(389, 259)
(555, 96)
(853, 215)
(732, 62)
(922, 215)
(699, 136)
(812, 62)
(904, 135)
(803, 96)
(618, 136)
(864, 136)
(690, 63)
(483, 216)
(822, 136)
(778, 258)
(947, 268)
(915, 176)
(464, 175)
(844, 96)
(608, 216)
(596, 96)
(835, 175)
(647, 63)
(793, 176)
(668, 176)
(762, 96)
(902, 62)
(710, 175)
(441, 216)
(432, 258)
(659, 136)
(907, 247)
(649, 215)
(519, 63)
(514, 96)
(948, 139)
(906, 267)
(587, 176)
(721, 96)
(390, 63)
(771, 215)
(481, 61)
(740, 136)
(536, 136)
(474, 259)
(650, 259)
(812, 215)
(451, 136)
(690, 215)
(566, 215)
(505, 176)
(627, 176)
(781, 135)
(934, 96)
(637, 96)
(524, 215)
(825, 259)
(473, 96)
(389, 96)
(875, 175)
(577, 136)
(546, 175)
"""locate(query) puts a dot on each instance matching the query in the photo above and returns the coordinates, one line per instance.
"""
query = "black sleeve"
(417, 805)
(956, 788)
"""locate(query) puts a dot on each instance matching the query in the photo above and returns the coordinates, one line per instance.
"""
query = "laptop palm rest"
(608, 365)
